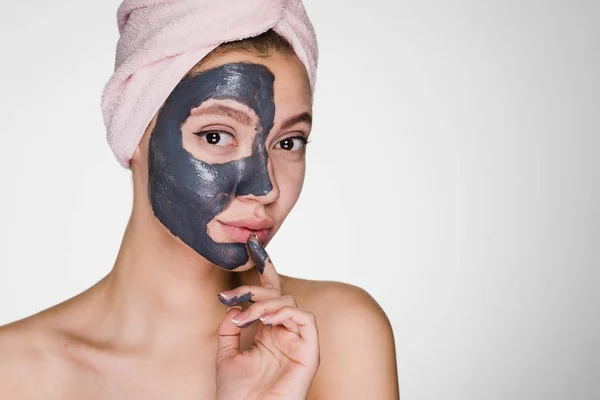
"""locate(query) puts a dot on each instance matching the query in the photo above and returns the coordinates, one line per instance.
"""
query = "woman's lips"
(241, 234)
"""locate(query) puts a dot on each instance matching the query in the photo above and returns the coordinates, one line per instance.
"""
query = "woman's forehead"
(291, 79)
(289, 88)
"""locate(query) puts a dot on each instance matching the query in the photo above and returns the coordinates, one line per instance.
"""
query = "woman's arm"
(358, 355)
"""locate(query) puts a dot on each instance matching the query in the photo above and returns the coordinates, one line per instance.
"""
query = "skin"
(154, 327)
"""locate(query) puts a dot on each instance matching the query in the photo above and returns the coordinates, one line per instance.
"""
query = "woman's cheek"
(290, 179)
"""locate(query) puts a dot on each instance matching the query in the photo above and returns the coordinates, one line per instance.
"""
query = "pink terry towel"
(161, 40)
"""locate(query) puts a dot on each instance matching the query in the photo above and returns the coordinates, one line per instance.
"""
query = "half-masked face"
(209, 148)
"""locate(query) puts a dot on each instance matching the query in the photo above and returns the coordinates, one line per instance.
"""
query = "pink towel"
(161, 40)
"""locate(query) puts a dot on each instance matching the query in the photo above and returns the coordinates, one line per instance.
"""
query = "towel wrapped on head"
(161, 40)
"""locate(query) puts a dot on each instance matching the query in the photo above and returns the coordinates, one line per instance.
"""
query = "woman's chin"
(246, 267)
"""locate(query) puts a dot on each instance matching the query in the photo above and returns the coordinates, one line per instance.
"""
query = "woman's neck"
(161, 293)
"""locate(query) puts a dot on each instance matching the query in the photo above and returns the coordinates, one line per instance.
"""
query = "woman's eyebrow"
(304, 117)
(225, 111)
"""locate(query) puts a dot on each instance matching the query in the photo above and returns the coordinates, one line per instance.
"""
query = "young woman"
(193, 307)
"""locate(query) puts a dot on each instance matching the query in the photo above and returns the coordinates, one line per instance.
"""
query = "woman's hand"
(285, 356)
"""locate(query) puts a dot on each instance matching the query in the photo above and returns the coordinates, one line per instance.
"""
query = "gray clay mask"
(187, 193)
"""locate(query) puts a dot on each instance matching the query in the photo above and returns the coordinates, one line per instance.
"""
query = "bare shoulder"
(31, 362)
(23, 359)
(358, 355)
(331, 299)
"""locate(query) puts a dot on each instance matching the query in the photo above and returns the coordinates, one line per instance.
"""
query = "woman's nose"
(258, 183)
(266, 198)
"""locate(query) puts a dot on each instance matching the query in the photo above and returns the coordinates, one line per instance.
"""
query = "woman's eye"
(217, 138)
(292, 144)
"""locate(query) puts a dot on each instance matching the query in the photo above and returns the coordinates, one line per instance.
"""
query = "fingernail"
(227, 294)
(226, 298)
(266, 317)
(231, 308)
(247, 324)
(258, 252)
(240, 318)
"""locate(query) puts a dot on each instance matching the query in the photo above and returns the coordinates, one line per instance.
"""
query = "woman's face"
(227, 154)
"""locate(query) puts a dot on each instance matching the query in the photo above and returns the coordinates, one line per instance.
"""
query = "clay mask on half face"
(187, 193)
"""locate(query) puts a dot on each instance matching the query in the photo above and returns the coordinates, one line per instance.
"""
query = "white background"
(454, 174)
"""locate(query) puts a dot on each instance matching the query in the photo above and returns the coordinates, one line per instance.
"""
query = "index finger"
(269, 278)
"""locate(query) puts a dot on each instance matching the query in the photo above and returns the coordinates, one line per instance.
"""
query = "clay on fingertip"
(235, 300)
(258, 253)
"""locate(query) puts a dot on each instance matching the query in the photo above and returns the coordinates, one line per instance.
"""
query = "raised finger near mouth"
(269, 278)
